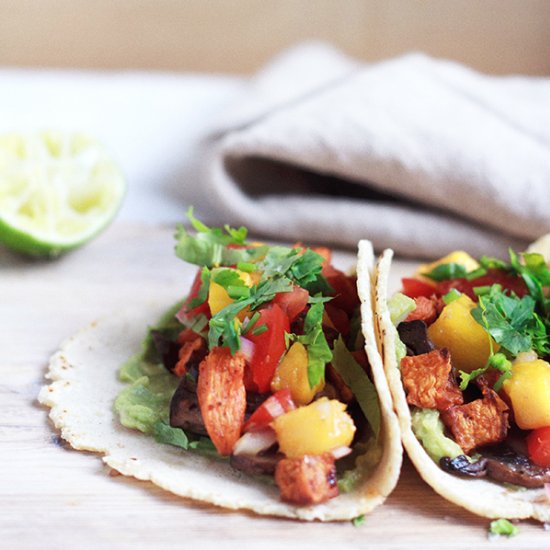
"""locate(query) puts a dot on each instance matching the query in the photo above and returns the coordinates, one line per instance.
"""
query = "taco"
(466, 350)
(263, 389)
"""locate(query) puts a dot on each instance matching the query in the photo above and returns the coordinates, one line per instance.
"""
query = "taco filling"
(473, 353)
(262, 364)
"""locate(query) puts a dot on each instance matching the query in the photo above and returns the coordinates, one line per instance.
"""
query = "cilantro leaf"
(511, 321)
(231, 281)
(225, 328)
(447, 271)
(210, 246)
(303, 269)
(498, 361)
(318, 350)
(202, 295)
(488, 262)
(359, 520)
(503, 527)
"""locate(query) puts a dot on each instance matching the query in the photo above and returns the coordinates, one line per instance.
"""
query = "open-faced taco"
(466, 350)
(263, 389)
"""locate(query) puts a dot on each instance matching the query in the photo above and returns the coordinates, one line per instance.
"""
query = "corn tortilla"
(84, 385)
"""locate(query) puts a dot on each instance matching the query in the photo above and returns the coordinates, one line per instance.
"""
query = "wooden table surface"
(54, 497)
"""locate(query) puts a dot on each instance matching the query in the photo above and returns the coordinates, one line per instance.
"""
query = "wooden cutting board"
(54, 497)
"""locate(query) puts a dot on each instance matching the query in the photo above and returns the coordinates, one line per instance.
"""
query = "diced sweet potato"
(429, 381)
(192, 345)
(427, 310)
(481, 422)
(310, 479)
(222, 397)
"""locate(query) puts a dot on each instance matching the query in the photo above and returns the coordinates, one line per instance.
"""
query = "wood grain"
(53, 497)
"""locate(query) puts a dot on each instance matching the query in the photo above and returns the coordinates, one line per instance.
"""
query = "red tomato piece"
(292, 303)
(538, 445)
(187, 313)
(509, 282)
(413, 288)
(269, 346)
(274, 406)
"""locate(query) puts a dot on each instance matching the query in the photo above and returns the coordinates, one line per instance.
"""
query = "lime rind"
(57, 191)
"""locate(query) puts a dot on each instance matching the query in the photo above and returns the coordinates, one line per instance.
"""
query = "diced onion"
(252, 443)
(340, 452)
(274, 408)
(247, 349)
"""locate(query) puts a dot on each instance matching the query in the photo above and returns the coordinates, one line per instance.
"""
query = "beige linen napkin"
(418, 154)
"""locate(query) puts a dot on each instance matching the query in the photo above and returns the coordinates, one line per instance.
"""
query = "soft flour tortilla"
(482, 497)
(85, 385)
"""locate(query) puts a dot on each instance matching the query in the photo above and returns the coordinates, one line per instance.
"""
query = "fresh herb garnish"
(359, 520)
(444, 272)
(202, 295)
(536, 275)
(451, 296)
(511, 321)
(231, 281)
(225, 328)
(498, 361)
(212, 246)
(503, 527)
(318, 350)
(302, 267)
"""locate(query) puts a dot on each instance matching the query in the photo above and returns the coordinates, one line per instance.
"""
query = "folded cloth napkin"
(418, 154)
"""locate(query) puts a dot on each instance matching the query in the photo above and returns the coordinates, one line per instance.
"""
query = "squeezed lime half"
(57, 191)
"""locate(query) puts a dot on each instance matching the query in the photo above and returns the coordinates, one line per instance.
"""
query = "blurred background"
(238, 36)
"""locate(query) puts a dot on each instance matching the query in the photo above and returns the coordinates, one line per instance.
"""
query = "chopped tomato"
(274, 406)
(345, 289)
(509, 282)
(292, 303)
(538, 445)
(269, 345)
(185, 312)
(413, 288)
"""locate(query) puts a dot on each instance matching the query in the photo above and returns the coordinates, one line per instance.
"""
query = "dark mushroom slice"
(260, 464)
(185, 411)
(166, 348)
(507, 466)
(462, 465)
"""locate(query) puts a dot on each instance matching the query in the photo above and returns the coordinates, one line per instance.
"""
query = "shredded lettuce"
(357, 380)
(144, 404)
(400, 306)
(503, 527)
